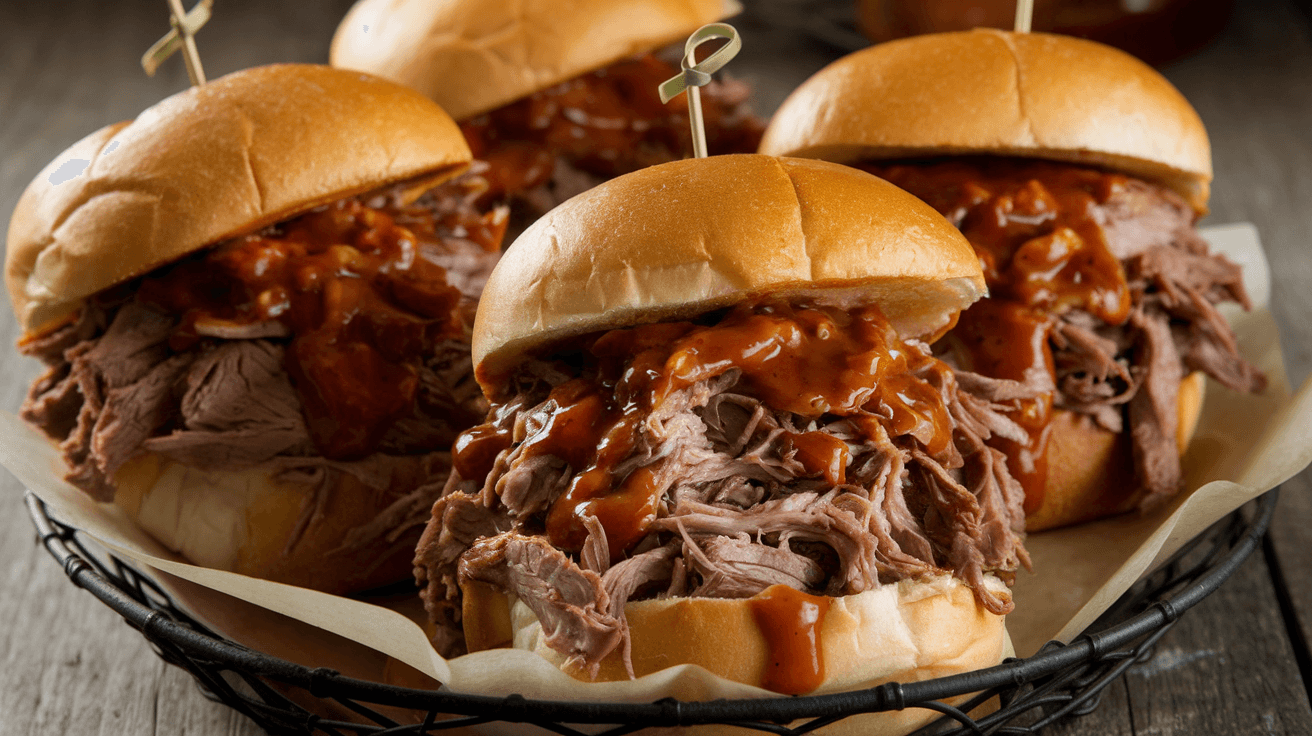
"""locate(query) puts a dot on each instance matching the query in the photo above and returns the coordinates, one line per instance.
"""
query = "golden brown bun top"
(234, 155)
(472, 56)
(679, 239)
(1001, 93)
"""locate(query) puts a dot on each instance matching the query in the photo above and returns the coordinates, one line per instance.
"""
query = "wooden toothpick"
(1024, 15)
(696, 75)
(183, 36)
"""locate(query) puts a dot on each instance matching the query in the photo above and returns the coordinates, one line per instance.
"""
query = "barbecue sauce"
(1035, 228)
(1004, 339)
(607, 122)
(790, 621)
(811, 361)
(358, 294)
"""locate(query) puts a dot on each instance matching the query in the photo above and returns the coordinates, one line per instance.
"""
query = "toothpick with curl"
(695, 75)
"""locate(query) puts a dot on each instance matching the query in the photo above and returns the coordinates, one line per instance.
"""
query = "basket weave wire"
(1058, 682)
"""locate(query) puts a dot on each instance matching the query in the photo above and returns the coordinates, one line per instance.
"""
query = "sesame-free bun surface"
(682, 238)
(244, 521)
(1091, 470)
(1000, 93)
(472, 56)
(241, 152)
(906, 632)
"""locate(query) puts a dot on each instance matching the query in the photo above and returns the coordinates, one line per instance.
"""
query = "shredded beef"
(566, 181)
(1185, 284)
(54, 402)
(1115, 373)
(1154, 256)
(115, 388)
(103, 370)
(1154, 413)
(50, 348)
(239, 410)
(733, 567)
(1139, 216)
(656, 566)
(571, 603)
(739, 511)
(1094, 376)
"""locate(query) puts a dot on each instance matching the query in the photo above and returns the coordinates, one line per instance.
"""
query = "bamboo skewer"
(1024, 15)
(182, 37)
(696, 75)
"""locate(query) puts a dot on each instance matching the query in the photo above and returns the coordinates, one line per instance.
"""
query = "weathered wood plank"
(1290, 548)
(1254, 92)
(1227, 667)
(67, 663)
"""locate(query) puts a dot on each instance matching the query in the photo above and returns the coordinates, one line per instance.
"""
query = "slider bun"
(241, 152)
(242, 520)
(904, 632)
(1091, 470)
(676, 240)
(999, 93)
(472, 56)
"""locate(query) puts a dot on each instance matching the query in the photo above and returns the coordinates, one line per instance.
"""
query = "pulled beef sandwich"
(1077, 173)
(255, 303)
(553, 98)
(718, 437)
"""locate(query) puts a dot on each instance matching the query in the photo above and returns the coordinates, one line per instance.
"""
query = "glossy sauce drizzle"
(791, 621)
(362, 301)
(608, 122)
(812, 361)
(1034, 226)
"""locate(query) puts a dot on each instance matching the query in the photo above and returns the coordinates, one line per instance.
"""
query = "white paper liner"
(1244, 446)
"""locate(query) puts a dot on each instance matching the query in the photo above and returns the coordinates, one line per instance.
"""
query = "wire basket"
(1058, 682)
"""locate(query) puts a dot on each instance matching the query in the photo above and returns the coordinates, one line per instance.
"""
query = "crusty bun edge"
(683, 238)
(1090, 470)
(474, 56)
(999, 93)
(238, 153)
(903, 632)
(243, 521)
(911, 630)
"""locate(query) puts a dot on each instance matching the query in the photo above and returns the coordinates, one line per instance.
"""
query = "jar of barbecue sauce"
(1157, 31)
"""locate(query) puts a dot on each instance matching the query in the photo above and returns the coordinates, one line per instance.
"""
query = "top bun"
(999, 93)
(241, 152)
(682, 238)
(477, 55)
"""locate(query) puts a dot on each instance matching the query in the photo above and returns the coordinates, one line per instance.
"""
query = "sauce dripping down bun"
(709, 299)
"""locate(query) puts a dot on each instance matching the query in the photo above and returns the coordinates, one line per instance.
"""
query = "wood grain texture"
(1253, 90)
(69, 665)
(1225, 668)
(1289, 553)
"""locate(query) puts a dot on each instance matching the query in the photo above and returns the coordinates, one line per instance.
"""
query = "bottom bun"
(254, 523)
(1091, 471)
(904, 632)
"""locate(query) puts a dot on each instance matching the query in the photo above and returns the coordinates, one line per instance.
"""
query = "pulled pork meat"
(568, 138)
(1115, 282)
(674, 460)
(215, 386)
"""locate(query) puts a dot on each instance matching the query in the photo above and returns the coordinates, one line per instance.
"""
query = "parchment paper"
(1244, 446)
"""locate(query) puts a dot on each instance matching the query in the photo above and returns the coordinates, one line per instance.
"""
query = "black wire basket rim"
(669, 711)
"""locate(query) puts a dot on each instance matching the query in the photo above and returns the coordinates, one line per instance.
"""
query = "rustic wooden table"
(1239, 663)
